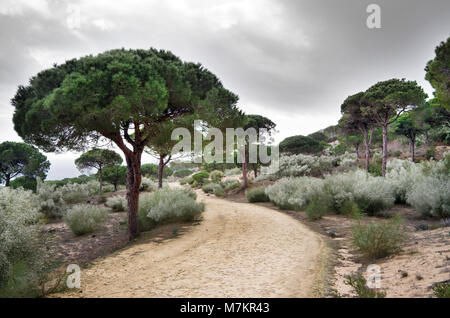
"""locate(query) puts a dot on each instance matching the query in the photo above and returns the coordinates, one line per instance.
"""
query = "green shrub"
(23, 182)
(211, 187)
(377, 240)
(200, 177)
(350, 208)
(375, 169)
(257, 194)
(147, 185)
(359, 284)
(442, 290)
(166, 206)
(186, 180)
(216, 176)
(182, 173)
(431, 196)
(117, 203)
(316, 208)
(232, 172)
(50, 199)
(85, 218)
(73, 193)
(230, 184)
(430, 153)
(220, 192)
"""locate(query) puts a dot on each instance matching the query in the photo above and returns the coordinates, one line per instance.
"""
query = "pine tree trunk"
(133, 182)
(367, 149)
(100, 176)
(383, 164)
(255, 171)
(413, 149)
(357, 151)
(244, 171)
(8, 179)
(160, 171)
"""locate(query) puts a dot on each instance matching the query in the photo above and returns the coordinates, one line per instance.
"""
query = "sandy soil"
(237, 250)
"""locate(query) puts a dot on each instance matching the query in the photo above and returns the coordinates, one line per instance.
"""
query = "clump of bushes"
(168, 205)
(431, 197)
(257, 194)
(377, 240)
(230, 184)
(182, 173)
(211, 187)
(186, 180)
(116, 203)
(147, 185)
(316, 208)
(200, 178)
(85, 218)
(216, 176)
(50, 199)
(359, 284)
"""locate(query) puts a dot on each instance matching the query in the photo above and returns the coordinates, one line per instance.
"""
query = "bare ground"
(237, 250)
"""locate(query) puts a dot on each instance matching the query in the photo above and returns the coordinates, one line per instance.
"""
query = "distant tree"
(257, 122)
(319, 136)
(113, 96)
(350, 135)
(98, 159)
(301, 144)
(386, 101)
(115, 175)
(19, 159)
(354, 119)
(431, 117)
(27, 183)
(406, 125)
(438, 73)
(152, 170)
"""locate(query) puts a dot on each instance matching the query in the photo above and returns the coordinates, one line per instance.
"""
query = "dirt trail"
(238, 250)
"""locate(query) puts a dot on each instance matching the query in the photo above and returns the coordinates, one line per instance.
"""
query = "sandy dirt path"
(238, 250)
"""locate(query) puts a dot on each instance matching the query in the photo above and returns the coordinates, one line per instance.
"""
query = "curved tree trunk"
(134, 178)
(413, 149)
(383, 164)
(160, 170)
(100, 177)
(8, 179)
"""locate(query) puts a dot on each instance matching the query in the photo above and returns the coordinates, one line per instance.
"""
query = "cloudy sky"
(292, 61)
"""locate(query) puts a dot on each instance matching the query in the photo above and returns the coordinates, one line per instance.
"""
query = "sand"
(237, 250)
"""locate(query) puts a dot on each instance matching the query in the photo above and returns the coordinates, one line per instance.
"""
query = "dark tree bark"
(367, 143)
(134, 178)
(8, 179)
(244, 171)
(161, 166)
(412, 141)
(357, 151)
(100, 176)
(255, 171)
(383, 164)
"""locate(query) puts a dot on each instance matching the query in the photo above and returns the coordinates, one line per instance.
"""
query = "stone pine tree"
(386, 101)
(355, 119)
(20, 159)
(407, 126)
(257, 122)
(120, 96)
(98, 159)
(438, 73)
(115, 175)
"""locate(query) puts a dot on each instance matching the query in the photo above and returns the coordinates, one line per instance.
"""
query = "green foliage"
(168, 206)
(116, 175)
(377, 240)
(116, 203)
(182, 173)
(437, 73)
(151, 170)
(316, 208)
(50, 199)
(98, 159)
(19, 159)
(200, 177)
(257, 194)
(430, 153)
(359, 284)
(24, 182)
(210, 187)
(375, 169)
(85, 218)
(442, 290)
(319, 136)
(216, 176)
(186, 180)
(300, 145)
(147, 185)
(219, 192)
(230, 184)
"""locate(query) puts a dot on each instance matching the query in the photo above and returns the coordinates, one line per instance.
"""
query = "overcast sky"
(292, 61)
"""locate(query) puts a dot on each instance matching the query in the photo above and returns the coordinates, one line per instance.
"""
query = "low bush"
(316, 208)
(186, 180)
(50, 199)
(167, 205)
(23, 182)
(116, 203)
(211, 187)
(257, 194)
(182, 173)
(442, 290)
(85, 218)
(230, 184)
(73, 193)
(216, 176)
(200, 178)
(359, 284)
(220, 192)
(147, 185)
(377, 240)
(431, 197)
(232, 172)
